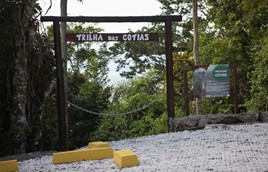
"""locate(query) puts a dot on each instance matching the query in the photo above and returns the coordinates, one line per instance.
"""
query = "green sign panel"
(220, 72)
(216, 81)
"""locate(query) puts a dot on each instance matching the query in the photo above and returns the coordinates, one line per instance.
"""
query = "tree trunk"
(63, 28)
(196, 52)
(23, 39)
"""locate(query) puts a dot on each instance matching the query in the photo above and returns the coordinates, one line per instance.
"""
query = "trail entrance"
(61, 99)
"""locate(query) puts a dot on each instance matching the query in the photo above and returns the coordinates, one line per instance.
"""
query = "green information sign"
(215, 83)
(220, 72)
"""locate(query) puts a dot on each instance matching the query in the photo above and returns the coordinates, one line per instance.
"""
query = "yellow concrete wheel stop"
(125, 158)
(8, 166)
(84, 154)
(98, 144)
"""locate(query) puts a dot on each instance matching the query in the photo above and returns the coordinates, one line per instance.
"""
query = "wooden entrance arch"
(61, 99)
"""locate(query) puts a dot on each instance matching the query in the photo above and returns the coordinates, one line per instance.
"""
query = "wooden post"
(235, 87)
(186, 96)
(61, 99)
(169, 74)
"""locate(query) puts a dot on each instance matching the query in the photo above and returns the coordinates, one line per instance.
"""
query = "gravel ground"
(216, 148)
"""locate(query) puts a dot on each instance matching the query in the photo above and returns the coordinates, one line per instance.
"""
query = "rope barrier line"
(120, 114)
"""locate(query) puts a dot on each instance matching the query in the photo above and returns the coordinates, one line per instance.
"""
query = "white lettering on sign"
(89, 37)
(220, 71)
(220, 74)
(112, 38)
(136, 37)
(83, 37)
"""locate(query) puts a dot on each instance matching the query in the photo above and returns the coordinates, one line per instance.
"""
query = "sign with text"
(89, 37)
(217, 80)
(213, 82)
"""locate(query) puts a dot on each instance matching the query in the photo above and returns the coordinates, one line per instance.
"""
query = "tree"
(63, 13)
(235, 37)
(24, 37)
(238, 37)
(132, 96)
(196, 50)
(6, 74)
(90, 95)
(138, 57)
(27, 74)
(181, 60)
(87, 86)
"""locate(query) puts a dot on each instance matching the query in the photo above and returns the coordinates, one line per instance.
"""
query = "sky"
(107, 8)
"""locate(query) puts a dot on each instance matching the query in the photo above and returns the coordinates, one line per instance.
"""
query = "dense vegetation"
(28, 113)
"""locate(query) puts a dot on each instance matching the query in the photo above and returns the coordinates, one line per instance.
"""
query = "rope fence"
(120, 114)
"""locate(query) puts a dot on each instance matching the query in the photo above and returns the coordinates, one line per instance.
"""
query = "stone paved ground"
(217, 148)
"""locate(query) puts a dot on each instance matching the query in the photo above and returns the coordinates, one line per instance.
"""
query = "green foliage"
(122, 127)
(40, 73)
(49, 124)
(238, 40)
(6, 66)
(41, 79)
(183, 31)
(235, 37)
(132, 96)
(89, 94)
(259, 90)
(138, 57)
(87, 87)
(180, 61)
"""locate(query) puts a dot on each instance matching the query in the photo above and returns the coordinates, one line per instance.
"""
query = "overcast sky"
(108, 8)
